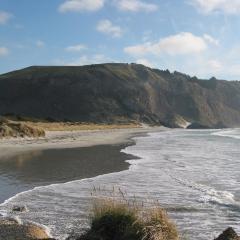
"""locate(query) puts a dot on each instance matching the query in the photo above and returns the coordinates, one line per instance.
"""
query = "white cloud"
(81, 5)
(145, 62)
(84, 60)
(76, 48)
(136, 6)
(180, 44)
(225, 6)
(4, 51)
(4, 17)
(211, 40)
(40, 44)
(107, 27)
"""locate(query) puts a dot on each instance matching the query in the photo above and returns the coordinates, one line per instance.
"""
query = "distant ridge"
(119, 93)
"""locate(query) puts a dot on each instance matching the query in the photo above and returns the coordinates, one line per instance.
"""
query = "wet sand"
(62, 157)
(43, 167)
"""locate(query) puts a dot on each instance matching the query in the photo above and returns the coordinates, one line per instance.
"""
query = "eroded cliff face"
(115, 93)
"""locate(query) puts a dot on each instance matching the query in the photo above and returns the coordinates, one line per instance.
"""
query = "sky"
(197, 37)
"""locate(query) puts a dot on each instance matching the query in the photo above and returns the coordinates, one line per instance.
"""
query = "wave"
(211, 195)
(167, 159)
(231, 133)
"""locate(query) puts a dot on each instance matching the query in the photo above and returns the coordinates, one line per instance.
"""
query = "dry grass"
(18, 129)
(51, 125)
(23, 127)
(121, 219)
(158, 226)
(62, 126)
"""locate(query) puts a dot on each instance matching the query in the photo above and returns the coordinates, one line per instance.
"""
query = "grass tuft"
(122, 219)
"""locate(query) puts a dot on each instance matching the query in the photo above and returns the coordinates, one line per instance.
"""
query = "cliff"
(120, 93)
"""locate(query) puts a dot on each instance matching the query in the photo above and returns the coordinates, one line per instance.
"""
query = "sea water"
(194, 174)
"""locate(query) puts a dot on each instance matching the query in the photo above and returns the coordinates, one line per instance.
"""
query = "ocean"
(194, 174)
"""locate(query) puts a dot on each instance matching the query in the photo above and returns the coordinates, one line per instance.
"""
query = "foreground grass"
(113, 219)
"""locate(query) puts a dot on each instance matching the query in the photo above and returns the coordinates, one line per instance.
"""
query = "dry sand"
(70, 139)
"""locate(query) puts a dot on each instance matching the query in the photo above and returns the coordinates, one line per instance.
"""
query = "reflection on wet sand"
(37, 168)
(21, 158)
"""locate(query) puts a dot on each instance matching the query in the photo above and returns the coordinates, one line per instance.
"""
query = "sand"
(70, 139)
(62, 157)
(27, 163)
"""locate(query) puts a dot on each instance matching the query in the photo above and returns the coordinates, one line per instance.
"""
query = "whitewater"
(194, 174)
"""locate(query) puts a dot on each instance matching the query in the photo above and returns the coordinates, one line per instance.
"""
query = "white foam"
(172, 169)
(233, 133)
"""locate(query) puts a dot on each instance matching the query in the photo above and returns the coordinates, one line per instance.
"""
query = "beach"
(183, 170)
(62, 156)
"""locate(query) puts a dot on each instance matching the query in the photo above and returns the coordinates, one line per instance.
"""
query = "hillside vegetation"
(119, 94)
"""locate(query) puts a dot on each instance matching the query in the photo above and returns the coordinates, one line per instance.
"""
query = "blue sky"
(198, 37)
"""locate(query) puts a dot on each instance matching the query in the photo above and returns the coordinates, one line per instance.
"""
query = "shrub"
(113, 219)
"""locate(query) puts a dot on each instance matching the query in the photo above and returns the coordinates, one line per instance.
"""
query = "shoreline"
(129, 140)
(71, 139)
(102, 141)
(56, 166)
(15, 153)
(20, 150)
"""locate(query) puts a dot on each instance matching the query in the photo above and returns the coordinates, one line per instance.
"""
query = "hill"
(119, 93)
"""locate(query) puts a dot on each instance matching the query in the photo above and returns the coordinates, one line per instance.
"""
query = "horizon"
(195, 37)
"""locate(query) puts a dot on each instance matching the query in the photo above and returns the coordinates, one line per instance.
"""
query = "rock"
(12, 230)
(19, 209)
(196, 125)
(228, 234)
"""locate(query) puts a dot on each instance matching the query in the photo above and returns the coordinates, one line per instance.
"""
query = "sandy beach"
(70, 139)
(61, 157)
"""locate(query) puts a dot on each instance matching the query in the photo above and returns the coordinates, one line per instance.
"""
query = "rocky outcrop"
(11, 229)
(228, 234)
(197, 126)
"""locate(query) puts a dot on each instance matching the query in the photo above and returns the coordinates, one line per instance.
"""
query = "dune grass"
(53, 125)
(10, 129)
(121, 219)
(77, 126)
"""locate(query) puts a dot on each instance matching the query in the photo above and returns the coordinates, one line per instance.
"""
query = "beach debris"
(19, 209)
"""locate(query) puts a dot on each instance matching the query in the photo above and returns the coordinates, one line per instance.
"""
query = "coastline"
(72, 185)
(105, 144)
(53, 166)
(28, 162)
(71, 139)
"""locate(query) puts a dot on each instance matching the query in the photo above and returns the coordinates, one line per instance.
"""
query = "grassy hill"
(119, 93)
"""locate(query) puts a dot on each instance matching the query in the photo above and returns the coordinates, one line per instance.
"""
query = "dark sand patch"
(43, 167)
